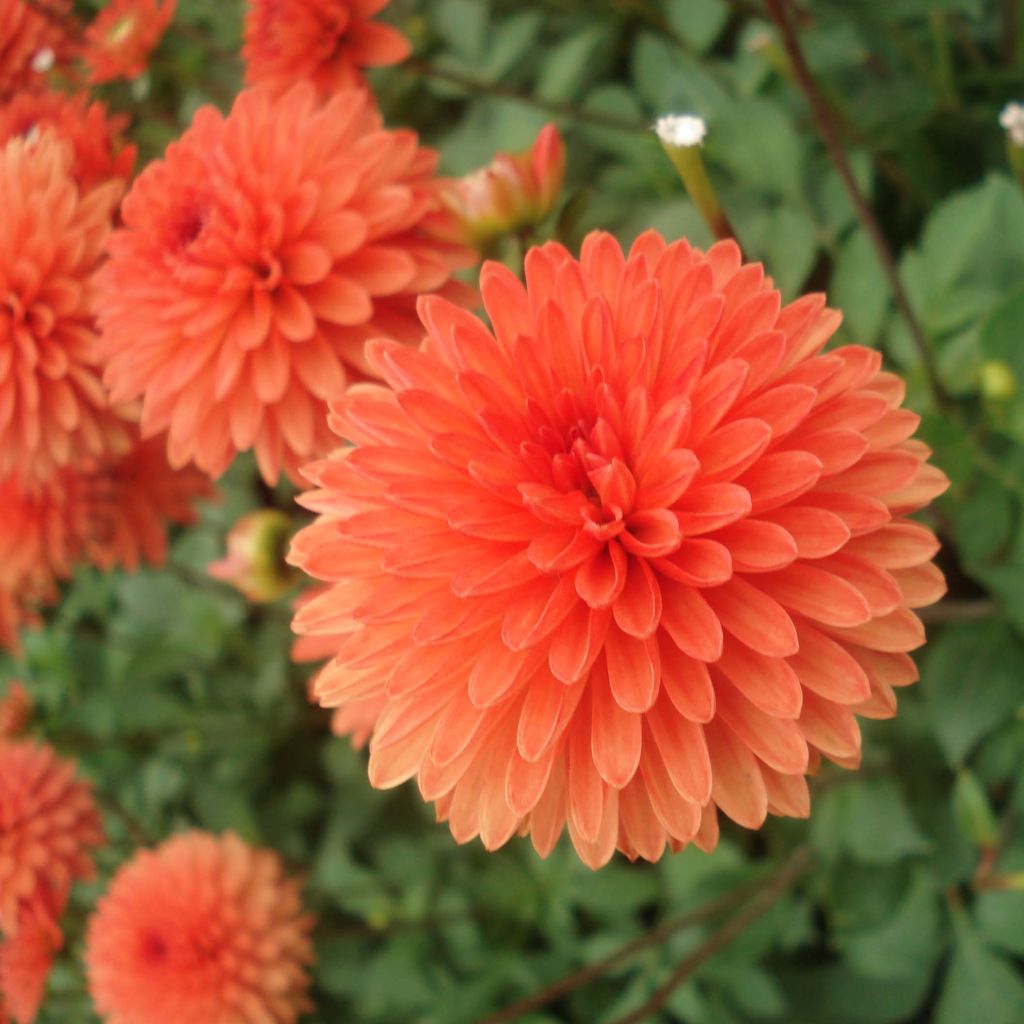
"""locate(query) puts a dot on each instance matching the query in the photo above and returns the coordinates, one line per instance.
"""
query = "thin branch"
(866, 216)
(958, 611)
(418, 66)
(577, 979)
(767, 896)
(131, 824)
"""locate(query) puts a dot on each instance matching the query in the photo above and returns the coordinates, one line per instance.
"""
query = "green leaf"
(699, 22)
(980, 985)
(971, 682)
(860, 289)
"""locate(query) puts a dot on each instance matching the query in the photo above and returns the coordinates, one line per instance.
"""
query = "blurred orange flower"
(53, 408)
(254, 263)
(49, 825)
(201, 929)
(121, 38)
(637, 553)
(326, 42)
(31, 42)
(100, 152)
(514, 191)
(26, 958)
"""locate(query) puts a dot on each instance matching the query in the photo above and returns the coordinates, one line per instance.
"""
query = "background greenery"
(179, 699)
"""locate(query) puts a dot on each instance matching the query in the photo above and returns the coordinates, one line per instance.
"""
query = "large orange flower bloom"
(53, 409)
(31, 41)
(324, 41)
(107, 512)
(256, 260)
(201, 929)
(48, 826)
(123, 35)
(639, 554)
(100, 152)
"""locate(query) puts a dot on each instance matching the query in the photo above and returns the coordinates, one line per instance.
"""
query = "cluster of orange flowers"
(632, 552)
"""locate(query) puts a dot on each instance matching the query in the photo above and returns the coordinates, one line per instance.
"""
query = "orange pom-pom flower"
(202, 929)
(637, 554)
(100, 152)
(120, 40)
(49, 825)
(326, 42)
(53, 408)
(256, 260)
(26, 958)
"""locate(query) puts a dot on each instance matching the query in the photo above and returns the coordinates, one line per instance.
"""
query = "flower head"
(123, 35)
(1012, 120)
(326, 42)
(31, 42)
(48, 827)
(15, 710)
(637, 554)
(107, 512)
(514, 191)
(26, 957)
(201, 929)
(100, 152)
(53, 408)
(255, 261)
(255, 560)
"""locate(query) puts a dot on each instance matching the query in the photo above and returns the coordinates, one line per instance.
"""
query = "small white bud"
(681, 129)
(1012, 119)
(43, 60)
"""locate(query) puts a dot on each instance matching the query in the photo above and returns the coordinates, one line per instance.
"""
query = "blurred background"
(179, 699)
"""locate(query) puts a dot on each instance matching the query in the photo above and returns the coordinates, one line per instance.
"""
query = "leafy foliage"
(182, 705)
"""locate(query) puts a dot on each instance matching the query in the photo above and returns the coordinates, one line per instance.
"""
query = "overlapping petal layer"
(100, 152)
(256, 260)
(53, 409)
(327, 42)
(202, 929)
(636, 554)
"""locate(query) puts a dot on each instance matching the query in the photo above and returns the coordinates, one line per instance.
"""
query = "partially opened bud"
(15, 710)
(514, 191)
(1012, 119)
(255, 562)
(682, 136)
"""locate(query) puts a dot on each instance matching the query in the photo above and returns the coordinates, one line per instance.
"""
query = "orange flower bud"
(514, 191)
(255, 562)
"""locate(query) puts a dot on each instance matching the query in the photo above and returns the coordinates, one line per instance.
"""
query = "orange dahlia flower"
(26, 958)
(202, 929)
(100, 152)
(637, 554)
(48, 826)
(53, 408)
(255, 261)
(15, 710)
(119, 41)
(31, 42)
(326, 42)
(106, 512)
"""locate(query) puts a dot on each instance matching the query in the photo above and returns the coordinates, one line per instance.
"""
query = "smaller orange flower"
(31, 42)
(325, 41)
(100, 152)
(123, 35)
(15, 710)
(514, 191)
(49, 825)
(204, 928)
(255, 560)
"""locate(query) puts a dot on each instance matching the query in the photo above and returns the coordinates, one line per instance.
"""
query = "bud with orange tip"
(514, 191)
(15, 710)
(255, 562)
